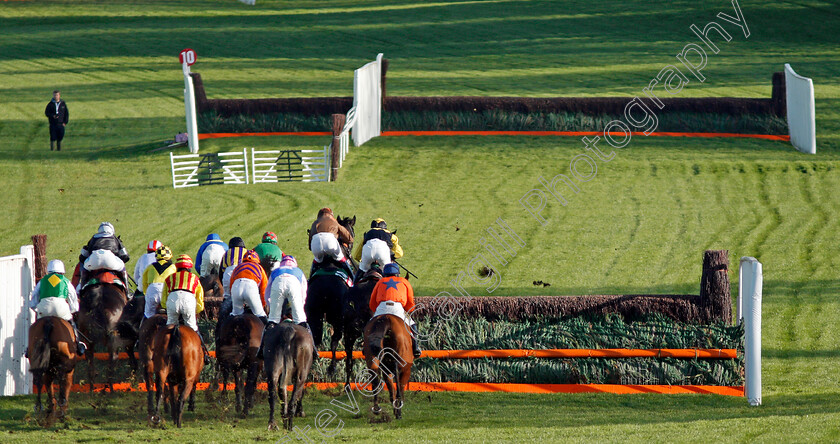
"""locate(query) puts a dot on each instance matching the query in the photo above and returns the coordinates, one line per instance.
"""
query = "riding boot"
(204, 348)
(81, 348)
(314, 348)
(415, 343)
(264, 320)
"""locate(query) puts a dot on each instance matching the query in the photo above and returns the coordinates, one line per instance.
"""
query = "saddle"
(331, 271)
(372, 274)
(105, 276)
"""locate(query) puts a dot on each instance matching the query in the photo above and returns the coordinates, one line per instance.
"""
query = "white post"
(245, 161)
(799, 95)
(189, 105)
(172, 164)
(750, 288)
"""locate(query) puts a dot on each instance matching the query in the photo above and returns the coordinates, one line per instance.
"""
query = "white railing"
(273, 166)
(192, 170)
(17, 273)
(344, 137)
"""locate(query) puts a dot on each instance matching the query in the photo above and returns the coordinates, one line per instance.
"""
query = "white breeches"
(153, 293)
(181, 303)
(226, 280)
(375, 250)
(392, 308)
(211, 258)
(246, 291)
(287, 287)
(325, 244)
(54, 307)
(104, 259)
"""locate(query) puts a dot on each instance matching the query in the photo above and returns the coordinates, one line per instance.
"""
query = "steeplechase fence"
(273, 166)
(192, 170)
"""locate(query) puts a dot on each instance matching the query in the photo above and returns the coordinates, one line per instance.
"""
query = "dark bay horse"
(388, 352)
(146, 351)
(236, 350)
(287, 353)
(101, 307)
(128, 327)
(324, 295)
(213, 292)
(178, 362)
(356, 306)
(52, 357)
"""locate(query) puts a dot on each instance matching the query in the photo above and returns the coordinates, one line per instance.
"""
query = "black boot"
(268, 326)
(315, 355)
(204, 349)
(415, 343)
(264, 320)
(81, 348)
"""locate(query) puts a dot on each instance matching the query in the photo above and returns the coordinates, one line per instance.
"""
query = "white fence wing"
(799, 92)
(273, 166)
(17, 274)
(192, 170)
(367, 100)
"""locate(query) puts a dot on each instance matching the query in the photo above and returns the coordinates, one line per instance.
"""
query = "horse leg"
(112, 364)
(173, 403)
(64, 392)
(148, 371)
(272, 396)
(225, 376)
(159, 390)
(91, 369)
(402, 383)
(132, 360)
(251, 386)
(37, 382)
(191, 405)
(48, 382)
(376, 383)
(392, 391)
(237, 389)
(186, 393)
(287, 417)
(297, 395)
(336, 336)
(349, 343)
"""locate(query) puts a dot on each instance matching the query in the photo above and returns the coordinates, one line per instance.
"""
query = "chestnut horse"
(236, 350)
(178, 362)
(356, 315)
(101, 307)
(287, 350)
(52, 357)
(388, 352)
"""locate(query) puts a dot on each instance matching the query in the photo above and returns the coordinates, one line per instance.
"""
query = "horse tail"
(174, 352)
(381, 328)
(39, 359)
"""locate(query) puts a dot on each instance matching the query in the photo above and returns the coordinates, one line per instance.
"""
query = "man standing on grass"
(58, 116)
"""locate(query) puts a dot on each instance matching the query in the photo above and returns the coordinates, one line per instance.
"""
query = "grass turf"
(639, 227)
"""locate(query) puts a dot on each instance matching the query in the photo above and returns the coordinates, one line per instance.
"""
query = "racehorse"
(146, 351)
(178, 362)
(128, 327)
(324, 295)
(388, 352)
(213, 291)
(101, 306)
(356, 315)
(236, 350)
(52, 357)
(287, 350)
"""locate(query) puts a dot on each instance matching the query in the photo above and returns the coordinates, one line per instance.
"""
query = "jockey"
(104, 239)
(154, 278)
(210, 255)
(268, 247)
(145, 260)
(54, 295)
(287, 283)
(232, 258)
(325, 238)
(249, 284)
(183, 296)
(390, 289)
(379, 245)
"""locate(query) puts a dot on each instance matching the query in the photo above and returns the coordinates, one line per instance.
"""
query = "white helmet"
(106, 229)
(55, 266)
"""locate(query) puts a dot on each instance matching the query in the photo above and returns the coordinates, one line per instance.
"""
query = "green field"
(640, 226)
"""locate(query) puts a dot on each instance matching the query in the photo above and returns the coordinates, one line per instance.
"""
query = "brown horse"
(100, 309)
(178, 362)
(213, 295)
(236, 350)
(146, 351)
(388, 352)
(288, 358)
(52, 357)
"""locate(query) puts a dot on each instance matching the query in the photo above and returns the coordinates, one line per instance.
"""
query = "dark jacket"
(57, 118)
(111, 243)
